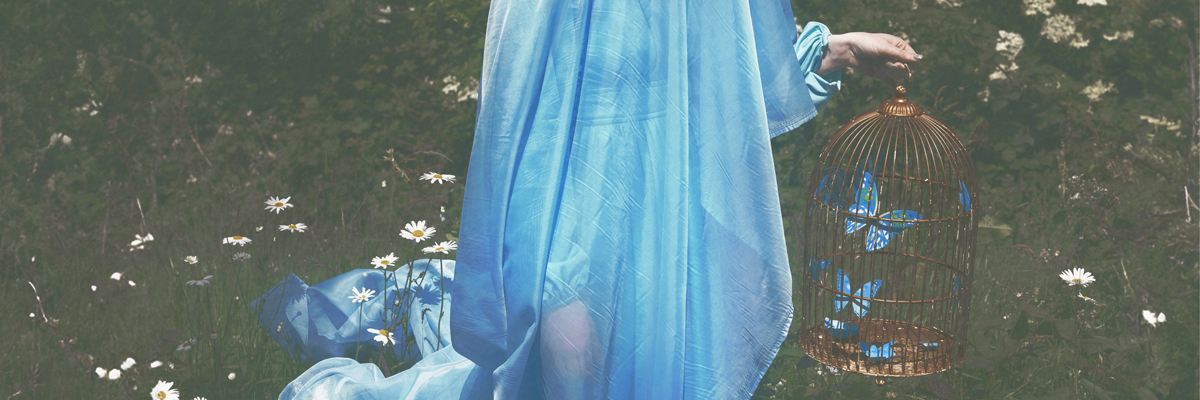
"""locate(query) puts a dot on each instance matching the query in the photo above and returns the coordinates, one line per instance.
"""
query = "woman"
(621, 233)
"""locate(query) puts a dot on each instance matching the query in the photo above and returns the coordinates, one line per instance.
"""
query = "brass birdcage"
(889, 246)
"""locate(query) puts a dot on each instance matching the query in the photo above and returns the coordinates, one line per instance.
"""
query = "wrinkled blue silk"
(621, 180)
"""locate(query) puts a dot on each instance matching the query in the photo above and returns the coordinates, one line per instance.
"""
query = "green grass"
(86, 329)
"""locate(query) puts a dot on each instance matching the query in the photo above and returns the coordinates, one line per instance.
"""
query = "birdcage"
(889, 245)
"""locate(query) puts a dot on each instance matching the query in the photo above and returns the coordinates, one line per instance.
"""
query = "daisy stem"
(442, 302)
(357, 342)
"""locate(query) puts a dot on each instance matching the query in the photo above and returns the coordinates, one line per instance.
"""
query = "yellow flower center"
(161, 395)
(198, 278)
(383, 332)
(437, 176)
(1077, 281)
(237, 238)
(384, 262)
(278, 204)
(418, 233)
(292, 226)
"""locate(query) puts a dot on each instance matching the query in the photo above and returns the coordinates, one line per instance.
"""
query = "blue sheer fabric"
(621, 234)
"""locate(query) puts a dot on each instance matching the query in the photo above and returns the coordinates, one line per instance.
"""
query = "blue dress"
(621, 234)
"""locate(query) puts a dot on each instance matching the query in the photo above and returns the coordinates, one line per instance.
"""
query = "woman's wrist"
(837, 55)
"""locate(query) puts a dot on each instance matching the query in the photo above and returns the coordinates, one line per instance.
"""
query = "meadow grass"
(155, 316)
(1031, 334)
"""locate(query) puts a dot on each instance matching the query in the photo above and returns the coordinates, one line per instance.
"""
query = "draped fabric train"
(621, 179)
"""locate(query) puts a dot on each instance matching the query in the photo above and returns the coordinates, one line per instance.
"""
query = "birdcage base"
(917, 350)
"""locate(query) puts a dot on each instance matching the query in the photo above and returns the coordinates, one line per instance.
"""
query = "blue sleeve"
(810, 50)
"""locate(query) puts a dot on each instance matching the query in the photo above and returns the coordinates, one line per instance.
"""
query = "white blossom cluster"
(1090, 3)
(1035, 7)
(1059, 28)
(1122, 36)
(1009, 44)
(468, 91)
(1095, 90)
(946, 3)
(1163, 122)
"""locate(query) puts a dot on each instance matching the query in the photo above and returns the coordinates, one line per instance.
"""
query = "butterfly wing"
(957, 288)
(840, 330)
(866, 202)
(843, 285)
(964, 196)
(881, 231)
(815, 267)
(832, 187)
(877, 353)
(869, 289)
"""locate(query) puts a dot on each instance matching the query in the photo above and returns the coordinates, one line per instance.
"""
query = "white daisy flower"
(129, 362)
(93, 288)
(1077, 276)
(155, 364)
(383, 336)
(443, 247)
(258, 229)
(185, 346)
(1152, 318)
(416, 231)
(139, 241)
(434, 177)
(101, 372)
(296, 227)
(191, 260)
(277, 204)
(238, 240)
(362, 296)
(163, 391)
(1087, 299)
(232, 375)
(132, 283)
(199, 398)
(114, 374)
(385, 261)
(116, 276)
(198, 281)
(241, 256)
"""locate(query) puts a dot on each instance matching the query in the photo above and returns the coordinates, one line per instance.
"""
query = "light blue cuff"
(810, 49)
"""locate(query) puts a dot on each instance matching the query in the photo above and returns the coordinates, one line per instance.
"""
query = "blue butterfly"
(877, 353)
(840, 330)
(929, 346)
(831, 188)
(861, 307)
(964, 196)
(867, 204)
(815, 267)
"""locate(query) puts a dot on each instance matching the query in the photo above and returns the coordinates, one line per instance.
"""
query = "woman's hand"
(570, 347)
(879, 55)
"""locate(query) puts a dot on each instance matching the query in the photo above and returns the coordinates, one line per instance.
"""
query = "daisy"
(163, 391)
(385, 261)
(434, 177)
(1152, 318)
(155, 364)
(191, 260)
(240, 256)
(129, 362)
(296, 227)
(416, 231)
(443, 247)
(198, 281)
(277, 204)
(1087, 299)
(238, 240)
(1077, 276)
(140, 240)
(185, 346)
(101, 372)
(232, 375)
(116, 276)
(114, 374)
(383, 336)
(364, 295)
